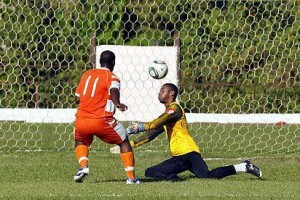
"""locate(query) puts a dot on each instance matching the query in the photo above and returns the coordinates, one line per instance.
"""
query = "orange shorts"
(109, 130)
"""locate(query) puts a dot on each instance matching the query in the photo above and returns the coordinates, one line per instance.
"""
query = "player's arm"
(77, 99)
(172, 114)
(143, 138)
(146, 137)
(115, 94)
(79, 88)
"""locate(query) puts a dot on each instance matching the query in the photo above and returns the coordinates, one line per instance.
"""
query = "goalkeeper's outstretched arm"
(173, 113)
(143, 138)
(146, 137)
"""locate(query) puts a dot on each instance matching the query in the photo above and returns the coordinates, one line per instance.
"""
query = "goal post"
(237, 69)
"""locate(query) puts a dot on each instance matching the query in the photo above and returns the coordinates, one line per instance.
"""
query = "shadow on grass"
(180, 179)
(144, 180)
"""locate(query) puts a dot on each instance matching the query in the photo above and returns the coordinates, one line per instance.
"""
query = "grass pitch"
(37, 162)
(49, 175)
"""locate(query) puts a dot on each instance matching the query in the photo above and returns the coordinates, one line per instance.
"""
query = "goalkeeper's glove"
(135, 128)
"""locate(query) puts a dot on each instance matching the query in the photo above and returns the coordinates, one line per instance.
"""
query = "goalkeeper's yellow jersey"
(176, 127)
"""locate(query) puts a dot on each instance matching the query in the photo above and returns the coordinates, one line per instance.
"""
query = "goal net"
(236, 64)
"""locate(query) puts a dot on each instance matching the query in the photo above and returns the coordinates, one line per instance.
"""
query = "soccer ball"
(158, 69)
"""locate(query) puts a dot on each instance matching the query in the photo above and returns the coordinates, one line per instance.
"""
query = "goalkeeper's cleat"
(252, 169)
(133, 181)
(81, 174)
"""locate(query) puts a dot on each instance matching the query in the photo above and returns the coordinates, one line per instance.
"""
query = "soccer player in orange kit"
(98, 95)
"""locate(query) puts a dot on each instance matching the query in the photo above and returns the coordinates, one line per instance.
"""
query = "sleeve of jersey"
(171, 114)
(146, 137)
(115, 82)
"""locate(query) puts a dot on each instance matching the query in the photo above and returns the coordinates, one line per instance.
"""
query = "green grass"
(37, 162)
(49, 175)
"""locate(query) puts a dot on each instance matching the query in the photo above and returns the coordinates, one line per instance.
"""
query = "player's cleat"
(252, 169)
(133, 181)
(81, 174)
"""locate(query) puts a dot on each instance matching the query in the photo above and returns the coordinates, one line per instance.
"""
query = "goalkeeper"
(185, 153)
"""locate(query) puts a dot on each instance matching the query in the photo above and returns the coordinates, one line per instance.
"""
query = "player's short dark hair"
(172, 87)
(107, 57)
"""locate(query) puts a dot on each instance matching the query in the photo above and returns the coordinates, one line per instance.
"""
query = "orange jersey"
(94, 93)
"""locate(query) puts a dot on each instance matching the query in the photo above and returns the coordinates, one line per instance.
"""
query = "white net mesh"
(236, 57)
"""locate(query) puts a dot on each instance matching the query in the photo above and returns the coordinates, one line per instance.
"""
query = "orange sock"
(82, 153)
(128, 162)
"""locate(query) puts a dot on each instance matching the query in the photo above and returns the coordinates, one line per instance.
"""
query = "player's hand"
(135, 128)
(122, 107)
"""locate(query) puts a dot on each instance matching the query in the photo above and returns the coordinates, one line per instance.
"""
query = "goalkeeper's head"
(107, 59)
(168, 93)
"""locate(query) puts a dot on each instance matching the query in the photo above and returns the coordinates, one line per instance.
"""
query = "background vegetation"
(235, 56)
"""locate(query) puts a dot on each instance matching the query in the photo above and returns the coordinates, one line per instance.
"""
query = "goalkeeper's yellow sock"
(128, 162)
(82, 153)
